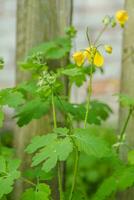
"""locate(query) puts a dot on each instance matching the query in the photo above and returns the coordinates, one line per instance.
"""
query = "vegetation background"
(31, 28)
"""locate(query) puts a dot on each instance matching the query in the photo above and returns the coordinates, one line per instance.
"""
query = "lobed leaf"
(131, 157)
(121, 179)
(1, 117)
(98, 111)
(41, 192)
(125, 100)
(90, 144)
(33, 109)
(40, 141)
(50, 150)
(106, 189)
(56, 49)
(8, 174)
(11, 97)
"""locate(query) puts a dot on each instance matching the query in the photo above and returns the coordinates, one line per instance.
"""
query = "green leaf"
(6, 151)
(50, 150)
(11, 97)
(8, 174)
(1, 63)
(2, 164)
(1, 117)
(35, 62)
(121, 179)
(72, 72)
(125, 100)
(41, 192)
(54, 49)
(36, 173)
(29, 87)
(28, 194)
(76, 75)
(61, 131)
(106, 189)
(40, 141)
(90, 144)
(33, 109)
(131, 157)
(125, 178)
(98, 111)
(71, 31)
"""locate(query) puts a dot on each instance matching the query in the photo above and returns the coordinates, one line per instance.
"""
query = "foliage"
(92, 148)
(33, 109)
(1, 118)
(1, 63)
(122, 179)
(98, 111)
(88, 143)
(125, 100)
(8, 174)
(51, 151)
(41, 192)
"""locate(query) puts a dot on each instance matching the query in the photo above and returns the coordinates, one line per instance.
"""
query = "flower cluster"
(92, 54)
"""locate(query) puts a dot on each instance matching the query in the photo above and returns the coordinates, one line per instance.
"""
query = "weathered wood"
(127, 84)
(37, 21)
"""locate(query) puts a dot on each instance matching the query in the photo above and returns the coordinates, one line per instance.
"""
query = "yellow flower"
(98, 59)
(79, 58)
(108, 49)
(87, 53)
(121, 16)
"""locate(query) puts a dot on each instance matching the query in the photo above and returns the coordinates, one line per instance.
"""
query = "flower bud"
(108, 49)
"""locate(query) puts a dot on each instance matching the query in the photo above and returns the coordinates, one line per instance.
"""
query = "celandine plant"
(46, 92)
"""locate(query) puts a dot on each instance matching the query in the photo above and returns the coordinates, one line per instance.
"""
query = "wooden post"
(37, 21)
(127, 84)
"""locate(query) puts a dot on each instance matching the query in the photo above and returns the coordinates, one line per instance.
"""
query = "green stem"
(28, 181)
(125, 124)
(90, 84)
(54, 112)
(75, 174)
(124, 127)
(59, 169)
(100, 34)
(85, 123)
(89, 97)
(60, 181)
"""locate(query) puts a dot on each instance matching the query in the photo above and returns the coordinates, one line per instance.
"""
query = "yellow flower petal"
(79, 58)
(87, 53)
(121, 16)
(108, 49)
(98, 59)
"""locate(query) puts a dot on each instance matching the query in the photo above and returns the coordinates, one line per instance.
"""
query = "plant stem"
(89, 97)
(85, 123)
(54, 112)
(75, 173)
(60, 181)
(100, 34)
(59, 171)
(125, 124)
(28, 181)
(124, 127)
